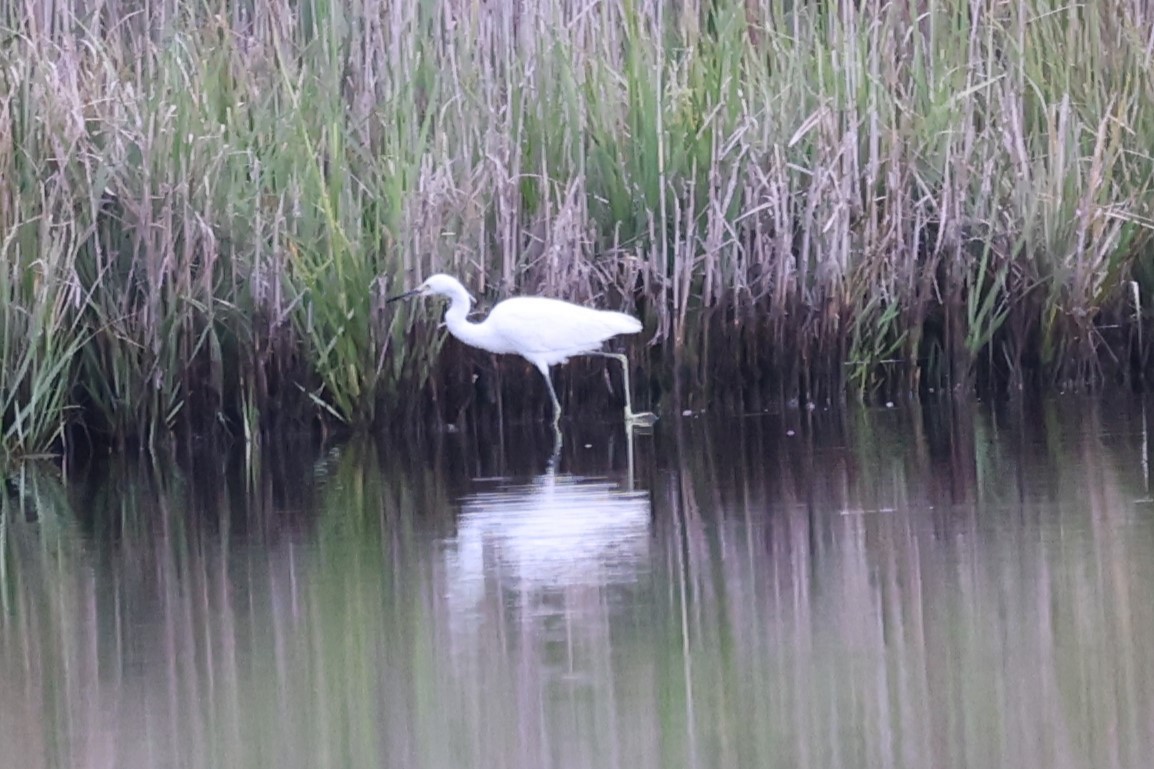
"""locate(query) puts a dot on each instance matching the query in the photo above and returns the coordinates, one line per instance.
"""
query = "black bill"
(405, 295)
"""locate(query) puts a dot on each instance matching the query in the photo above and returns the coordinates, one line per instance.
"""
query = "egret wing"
(541, 326)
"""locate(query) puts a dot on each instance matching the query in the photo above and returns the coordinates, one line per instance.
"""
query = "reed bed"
(203, 202)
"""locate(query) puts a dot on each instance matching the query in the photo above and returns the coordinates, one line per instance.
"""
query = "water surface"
(956, 586)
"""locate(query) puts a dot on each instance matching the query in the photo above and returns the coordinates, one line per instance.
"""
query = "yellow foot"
(640, 419)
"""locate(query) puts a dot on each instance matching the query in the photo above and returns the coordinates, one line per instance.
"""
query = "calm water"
(960, 587)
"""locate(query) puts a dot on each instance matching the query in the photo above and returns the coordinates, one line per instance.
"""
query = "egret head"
(439, 284)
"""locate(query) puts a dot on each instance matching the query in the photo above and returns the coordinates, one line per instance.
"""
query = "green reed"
(202, 209)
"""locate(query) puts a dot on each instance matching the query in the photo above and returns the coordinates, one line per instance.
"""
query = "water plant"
(201, 206)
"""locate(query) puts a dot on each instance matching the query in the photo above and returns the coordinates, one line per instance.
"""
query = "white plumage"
(543, 331)
(551, 330)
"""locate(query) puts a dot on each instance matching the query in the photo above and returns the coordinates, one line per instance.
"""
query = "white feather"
(553, 330)
(543, 331)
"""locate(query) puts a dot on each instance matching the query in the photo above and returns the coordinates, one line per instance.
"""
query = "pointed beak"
(406, 295)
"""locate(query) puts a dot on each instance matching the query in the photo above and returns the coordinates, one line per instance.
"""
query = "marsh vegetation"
(810, 200)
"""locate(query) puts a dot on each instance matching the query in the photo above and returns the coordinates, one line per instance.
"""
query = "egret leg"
(552, 393)
(640, 418)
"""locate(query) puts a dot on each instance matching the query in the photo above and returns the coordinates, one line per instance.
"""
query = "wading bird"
(543, 331)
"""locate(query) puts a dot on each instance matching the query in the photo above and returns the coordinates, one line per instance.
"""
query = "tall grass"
(800, 199)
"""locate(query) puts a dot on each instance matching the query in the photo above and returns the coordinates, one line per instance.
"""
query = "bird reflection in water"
(537, 547)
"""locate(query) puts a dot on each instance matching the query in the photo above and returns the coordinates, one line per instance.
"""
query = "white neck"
(475, 334)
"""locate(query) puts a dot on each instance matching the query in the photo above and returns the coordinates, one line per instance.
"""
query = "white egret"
(543, 331)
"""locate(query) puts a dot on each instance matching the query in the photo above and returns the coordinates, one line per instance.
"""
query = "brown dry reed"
(800, 199)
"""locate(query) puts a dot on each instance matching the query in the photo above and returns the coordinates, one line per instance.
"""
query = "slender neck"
(475, 334)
